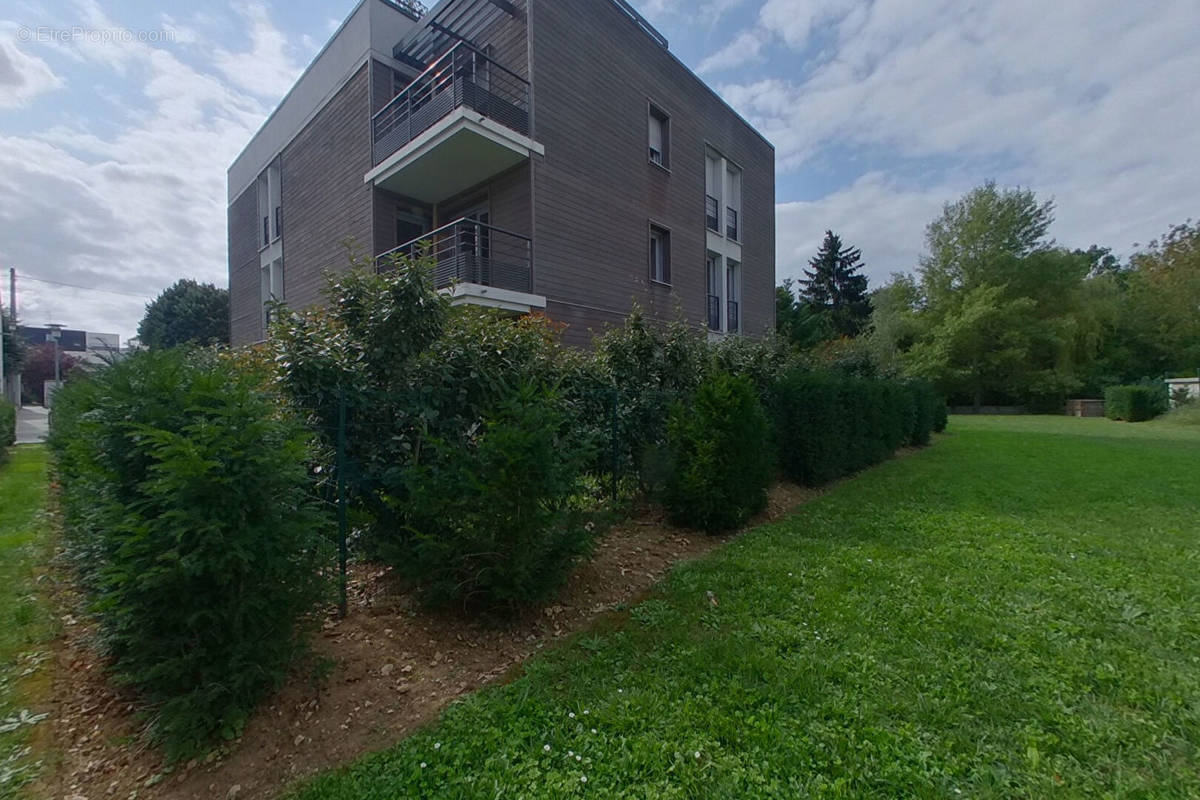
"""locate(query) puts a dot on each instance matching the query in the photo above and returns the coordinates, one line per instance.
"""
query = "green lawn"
(1011, 613)
(24, 624)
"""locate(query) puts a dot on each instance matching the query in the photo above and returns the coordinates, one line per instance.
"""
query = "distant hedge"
(828, 425)
(8, 425)
(1135, 403)
(189, 516)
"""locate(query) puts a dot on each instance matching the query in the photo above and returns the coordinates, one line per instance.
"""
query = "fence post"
(612, 415)
(341, 501)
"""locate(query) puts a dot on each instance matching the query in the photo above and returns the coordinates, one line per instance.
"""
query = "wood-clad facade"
(586, 197)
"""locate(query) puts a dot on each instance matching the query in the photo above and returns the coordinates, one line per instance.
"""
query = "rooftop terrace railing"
(463, 77)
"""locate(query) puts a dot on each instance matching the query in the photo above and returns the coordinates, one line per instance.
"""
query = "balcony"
(731, 224)
(714, 313)
(464, 120)
(478, 264)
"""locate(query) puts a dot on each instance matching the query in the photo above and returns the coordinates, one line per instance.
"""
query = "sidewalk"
(33, 423)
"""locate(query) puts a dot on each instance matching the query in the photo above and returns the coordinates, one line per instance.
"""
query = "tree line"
(997, 312)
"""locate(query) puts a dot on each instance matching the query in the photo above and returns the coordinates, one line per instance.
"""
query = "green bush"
(828, 425)
(490, 520)
(926, 404)
(1135, 403)
(8, 425)
(941, 414)
(810, 426)
(720, 455)
(187, 508)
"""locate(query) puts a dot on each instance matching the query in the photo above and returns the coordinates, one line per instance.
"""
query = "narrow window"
(733, 203)
(714, 291)
(712, 191)
(271, 289)
(660, 254)
(733, 318)
(660, 137)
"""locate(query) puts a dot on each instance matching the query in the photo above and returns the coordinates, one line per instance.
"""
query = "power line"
(25, 277)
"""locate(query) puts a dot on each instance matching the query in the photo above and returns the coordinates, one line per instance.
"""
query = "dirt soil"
(394, 668)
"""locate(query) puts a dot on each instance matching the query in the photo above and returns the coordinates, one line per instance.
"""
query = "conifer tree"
(833, 287)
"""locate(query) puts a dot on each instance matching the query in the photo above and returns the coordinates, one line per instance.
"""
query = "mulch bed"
(394, 667)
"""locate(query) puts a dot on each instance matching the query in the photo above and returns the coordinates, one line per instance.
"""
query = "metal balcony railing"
(463, 77)
(731, 223)
(470, 251)
(711, 207)
(733, 321)
(714, 312)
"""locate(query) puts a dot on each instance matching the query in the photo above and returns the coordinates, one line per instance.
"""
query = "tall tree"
(186, 313)
(978, 238)
(834, 287)
(795, 321)
(896, 321)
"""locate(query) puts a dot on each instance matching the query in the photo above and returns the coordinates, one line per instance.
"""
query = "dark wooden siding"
(325, 202)
(245, 312)
(595, 192)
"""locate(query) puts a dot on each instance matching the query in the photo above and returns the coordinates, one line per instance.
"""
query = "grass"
(1187, 416)
(24, 623)
(1011, 613)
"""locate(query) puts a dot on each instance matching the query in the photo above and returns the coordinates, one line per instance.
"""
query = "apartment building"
(554, 155)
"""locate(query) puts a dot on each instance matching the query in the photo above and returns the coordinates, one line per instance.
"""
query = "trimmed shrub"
(8, 425)
(188, 510)
(941, 414)
(1135, 403)
(490, 520)
(810, 426)
(926, 402)
(829, 425)
(719, 447)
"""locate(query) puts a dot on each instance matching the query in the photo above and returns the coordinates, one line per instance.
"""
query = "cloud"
(875, 213)
(267, 69)
(746, 47)
(23, 76)
(132, 199)
(1092, 103)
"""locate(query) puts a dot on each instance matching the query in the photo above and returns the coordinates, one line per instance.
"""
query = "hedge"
(1135, 403)
(829, 425)
(188, 512)
(719, 447)
(8, 425)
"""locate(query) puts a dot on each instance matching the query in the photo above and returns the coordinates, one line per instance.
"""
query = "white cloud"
(23, 76)
(135, 205)
(746, 47)
(267, 69)
(1093, 103)
(875, 214)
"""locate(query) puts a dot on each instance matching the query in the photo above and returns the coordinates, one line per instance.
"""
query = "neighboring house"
(556, 155)
(92, 348)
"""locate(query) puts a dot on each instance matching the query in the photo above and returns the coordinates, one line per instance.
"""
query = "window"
(712, 190)
(733, 320)
(733, 202)
(714, 292)
(272, 289)
(660, 254)
(660, 137)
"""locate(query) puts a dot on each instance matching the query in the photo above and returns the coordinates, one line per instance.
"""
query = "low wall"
(1005, 410)
(1085, 408)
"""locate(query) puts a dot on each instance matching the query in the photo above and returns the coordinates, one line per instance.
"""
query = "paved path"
(33, 423)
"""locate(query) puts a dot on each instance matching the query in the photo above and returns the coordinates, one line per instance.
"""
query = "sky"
(119, 119)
